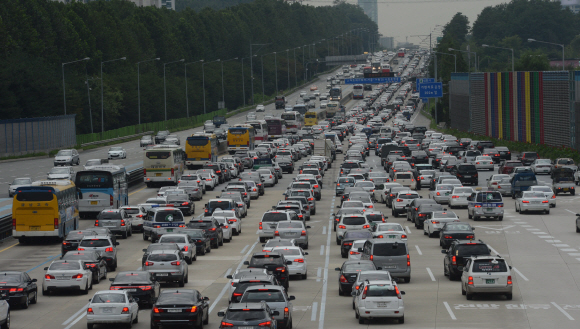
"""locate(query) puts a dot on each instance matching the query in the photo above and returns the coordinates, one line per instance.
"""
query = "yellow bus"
(241, 137)
(312, 117)
(163, 164)
(199, 149)
(45, 209)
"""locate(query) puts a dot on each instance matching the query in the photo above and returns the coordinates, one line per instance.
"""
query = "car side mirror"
(444, 251)
(222, 314)
(117, 243)
(34, 280)
(338, 207)
(291, 298)
(360, 249)
(510, 267)
(229, 276)
(246, 263)
(379, 268)
(402, 292)
(308, 227)
(205, 298)
(337, 269)
(144, 250)
(46, 268)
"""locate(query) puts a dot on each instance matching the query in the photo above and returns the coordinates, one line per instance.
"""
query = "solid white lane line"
(570, 211)
(520, 274)
(325, 286)
(219, 297)
(449, 311)
(431, 274)
(244, 250)
(314, 309)
(84, 308)
(490, 247)
(76, 320)
(562, 310)
(418, 250)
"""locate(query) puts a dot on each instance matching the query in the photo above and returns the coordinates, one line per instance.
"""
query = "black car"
(458, 252)
(423, 211)
(72, 239)
(161, 135)
(92, 260)
(218, 170)
(419, 157)
(180, 307)
(212, 229)
(528, 157)
(21, 289)
(249, 315)
(201, 239)
(349, 237)
(466, 173)
(274, 262)
(504, 153)
(464, 142)
(157, 246)
(348, 272)
(414, 206)
(455, 231)
(181, 202)
(480, 145)
(139, 283)
(252, 280)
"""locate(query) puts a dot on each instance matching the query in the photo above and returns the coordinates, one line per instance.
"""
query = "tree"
(533, 60)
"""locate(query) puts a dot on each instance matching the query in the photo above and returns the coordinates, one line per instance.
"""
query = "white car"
(532, 201)
(459, 197)
(234, 222)
(547, 192)
(211, 181)
(260, 108)
(323, 105)
(486, 275)
(67, 275)
(442, 193)
(238, 274)
(353, 253)
(226, 228)
(4, 310)
(483, 162)
(402, 201)
(350, 222)
(436, 220)
(495, 179)
(378, 299)
(389, 231)
(299, 265)
(61, 173)
(542, 166)
(112, 306)
(137, 213)
(117, 152)
(18, 182)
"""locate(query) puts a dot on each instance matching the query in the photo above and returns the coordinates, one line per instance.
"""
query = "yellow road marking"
(17, 243)
(139, 190)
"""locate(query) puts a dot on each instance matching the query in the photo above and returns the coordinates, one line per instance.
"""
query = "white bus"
(163, 164)
(358, 92)
(294, 121)
(332, 108)
(260, 129)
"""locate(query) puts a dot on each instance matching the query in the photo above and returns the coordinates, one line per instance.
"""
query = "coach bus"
(313, 116)
(163, 164)
(241, 137)
(45, 209)
(101, 187)
(335, 94)
(260, 129)
(294, 121)
(199, 149)
(358, 92)
(332, 108)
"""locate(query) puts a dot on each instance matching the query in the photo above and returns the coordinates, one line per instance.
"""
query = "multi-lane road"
(543, 249)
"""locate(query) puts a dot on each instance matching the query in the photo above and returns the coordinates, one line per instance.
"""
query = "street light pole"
(102, 103)
(454, 55)
(288, 62)
(276, 71)
(555, 44)
(295, 75)
(139, 87)
(164, 85)
(63, 85)
(488, 46)
(252, 66)
(223, 90)
(203, 81)
(469, 52)
(186, 93)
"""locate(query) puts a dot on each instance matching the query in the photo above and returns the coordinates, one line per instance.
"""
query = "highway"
(543, 249)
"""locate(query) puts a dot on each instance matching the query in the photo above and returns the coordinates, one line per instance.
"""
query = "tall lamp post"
(139, 86)
(295, 75)
(262, 62)
(288, 62)
(550, 43)
(276, 71)
(469, 52)
(186, 93)
(223, 89)
(454, 55)
(252, 65)
(63, 86)
(203, 80)
(488, 46)
(102, 103)
(164, 85)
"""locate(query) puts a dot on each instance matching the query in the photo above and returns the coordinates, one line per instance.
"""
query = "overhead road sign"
(371, 80)
(423, 80)
(431, 90)
(380, 75)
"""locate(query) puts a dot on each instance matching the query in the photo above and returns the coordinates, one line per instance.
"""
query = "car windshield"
(132, 277)
(108, 298)
(116, 148)
(489, 265)
(9, 278)
(278, 243)
(162, 257)
(374, 217)
(534, 195)
(256, 296)
(354, 235)
(21, 181)
(357, 267)
(542, 189)
(408, 196)
(488, 197)
(365, 184)
(64, 153)
(110, 215)
(443, 215)
(200, 224)
(545, 161)
(260, 260)
(288, 252)
(390, 249)
(95, 243)
(63, 266)
(59, 171)
(381, 290)
(472, 249)
(172, 239)
(169, 216)
(458, 227)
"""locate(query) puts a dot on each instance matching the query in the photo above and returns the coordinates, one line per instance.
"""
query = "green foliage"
(533, 60)
(37, 36)
(198, 5)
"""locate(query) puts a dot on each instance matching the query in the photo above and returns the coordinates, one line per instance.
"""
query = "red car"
(508, 167)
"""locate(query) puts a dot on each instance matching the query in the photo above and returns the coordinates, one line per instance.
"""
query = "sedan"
(293, 229)
(483, 162)
(390, 231)
(180, 307)
(139, 283)
(353, 253)
(117, 152)
(542, 166)
(532, 201)
(459, 197)
(21, 289)
(348, 273)
(17, 183)
(167, 266)
(495, 179)
(441, 194)
(436, 220)
(61, 173)
(185, 244)
(547, 192)
(67, 275)
(91, 260)
(299, 265)
(109, 306)
(260, 108)
(455, 231)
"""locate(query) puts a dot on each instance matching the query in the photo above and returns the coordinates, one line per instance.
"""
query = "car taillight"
(276, 233)
(227, 324)
(343, 279)
(56, 223)
(158, 310)
(525, 201)
(264, 324)
(342, 227)
(408, 260)
(509, 280)
(454, 260)
(177, 263)
(122, 222)
(366, 226)
(149, 263)
(90, 310)
(260, 225)
(281, 269)
(470, 280)
(438, 193)
(109, 249)
(125, 310)
(49, 277)
(77, 276)
(111, 199)
(399, 200)
(364, 294)
(455, 196)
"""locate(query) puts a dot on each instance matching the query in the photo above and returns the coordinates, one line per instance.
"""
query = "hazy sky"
(401, 18)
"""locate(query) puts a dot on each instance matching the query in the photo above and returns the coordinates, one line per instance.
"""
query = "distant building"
(573, 5)
(387, 42)
(567, 63)
(169, 4)
(370, 8)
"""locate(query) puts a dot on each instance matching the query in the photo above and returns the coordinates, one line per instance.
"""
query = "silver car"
(276, 298)
(67, 275)
(532, 201)
(296, 255)
(167, 266)
(18, 182)
(185, 244)
(61, 173)
(192, 188)
(116, 220)
(442, 193)
(268, 177)
(67, 158)
(112, 306)
(103, 245)
(293, 229)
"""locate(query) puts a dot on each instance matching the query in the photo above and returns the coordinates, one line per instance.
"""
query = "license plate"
(108, 310)
(35, 228)
(392, 236)
(489, 281)
(158, 174)
(197, 159)
(63, 278)
(162, 274)
(94, 203)
(245, 327)
(467, 176)
(566, 189)
(489, 209)
(382, 304)
(131, 290)
(447, 193)
(169, 230)
(390, 266)
(535, 202)
(174, 310)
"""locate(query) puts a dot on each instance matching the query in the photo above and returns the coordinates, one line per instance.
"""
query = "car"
(455, 231)
(104, 245)
(162, 134)
(435, 221)
(483, 162)
(493, 202)
(269, 222)
(260, 108)
(274, 262)
(349, 237)
(17, 183)
(459, 197)
(353, 253)
(20, 288)
(296, 255)
(212, 229)
(350, 222)
(4, 310)
(184, 242)
(458, 253)
(493, 181)
(528, 157)
(528, 201)
(389, 231)
(72, 240)
(508, 167)
(542, 166)
(181, 202)
(180, 306)
(231, 219)
(402, 201)
(276, 298)
(67, 275)
(167, 266)
(117, 152)
(193, 189)
(136, 213)
(348, 273)
(548, 192)
(68, 157)
(146, 141)
(378, 299)
(490, 275)
(61, 173)
(390, 254)
(112, 306)
(442, 193)
(91, 260)
(116, 220)
(249, 315)
(295, 230)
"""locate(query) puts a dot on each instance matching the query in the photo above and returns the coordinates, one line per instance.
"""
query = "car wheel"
(124, 236)
(468, 296)
(45, 292)
(361, 320)
(26, 303)
(509, 296)
(136, 320)
(221, 242)
(35, 298)
(86, 290)
(89, 326)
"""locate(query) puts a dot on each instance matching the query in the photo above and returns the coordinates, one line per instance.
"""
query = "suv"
(422, 211)
(391, 254)
(486, 275)
(402, 201)
(378, 299)
(161, 220)
(223, 204)
(217, 168)
(167, 266)
(348, 223)
(458, 253)
(72, 240)
(278, 300)
(270, 220)
(466, 173)
(212, 228)
(248, 314)
(504, 153)
(274, 262)
(104, 246)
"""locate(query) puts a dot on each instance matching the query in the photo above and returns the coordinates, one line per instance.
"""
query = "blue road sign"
(423, 80)
(431, 90)
(425, 100)
(371, 80)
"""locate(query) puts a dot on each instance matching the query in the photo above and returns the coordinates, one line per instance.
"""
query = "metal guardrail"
(118, 138)
(135, 176)
(5, 226)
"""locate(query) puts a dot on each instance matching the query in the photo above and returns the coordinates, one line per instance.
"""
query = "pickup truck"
(563, 181)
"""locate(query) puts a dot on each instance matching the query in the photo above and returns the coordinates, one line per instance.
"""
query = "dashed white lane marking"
(431, 274)
(562, 310)
(449, 311)
(418, 250)
(408, 230)
(520, 274)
